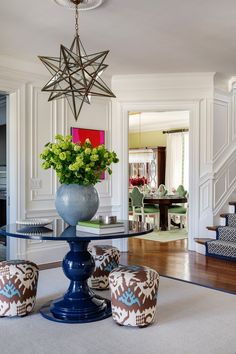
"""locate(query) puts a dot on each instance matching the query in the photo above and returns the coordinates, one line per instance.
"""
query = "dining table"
(164, 203)
(79, 304)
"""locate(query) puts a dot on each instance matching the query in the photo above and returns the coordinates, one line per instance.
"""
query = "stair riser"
(222, 221)
(213, 248)
(226, 234)
(231, 208)
(231, 220)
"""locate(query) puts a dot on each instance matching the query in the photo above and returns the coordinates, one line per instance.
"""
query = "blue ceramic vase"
(75, 202)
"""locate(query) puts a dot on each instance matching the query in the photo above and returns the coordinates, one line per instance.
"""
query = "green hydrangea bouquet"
(77, 163)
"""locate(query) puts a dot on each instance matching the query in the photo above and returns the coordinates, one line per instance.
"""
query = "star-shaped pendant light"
(75, 74)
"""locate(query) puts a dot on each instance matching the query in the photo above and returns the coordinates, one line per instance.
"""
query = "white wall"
(223, 151)
(43, 121)
(33, 121)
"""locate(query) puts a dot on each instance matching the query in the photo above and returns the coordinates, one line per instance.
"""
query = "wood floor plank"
(173, 259)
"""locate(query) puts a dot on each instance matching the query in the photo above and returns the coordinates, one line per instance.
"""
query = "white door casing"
(194, 108)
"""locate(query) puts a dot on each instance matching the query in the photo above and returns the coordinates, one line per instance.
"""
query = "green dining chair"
(140, 210)
(178, 210)
(161, 191)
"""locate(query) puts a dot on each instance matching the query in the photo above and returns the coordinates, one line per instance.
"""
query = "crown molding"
(168, 81)
(11, 68)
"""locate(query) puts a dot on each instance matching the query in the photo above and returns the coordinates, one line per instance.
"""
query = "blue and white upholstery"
(225, 244)
(133, 295)
(106, 258)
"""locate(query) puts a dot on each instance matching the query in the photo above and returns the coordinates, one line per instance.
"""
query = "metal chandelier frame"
(76, 74)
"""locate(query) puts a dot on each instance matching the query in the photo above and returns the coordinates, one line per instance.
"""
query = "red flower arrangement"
(138, 181)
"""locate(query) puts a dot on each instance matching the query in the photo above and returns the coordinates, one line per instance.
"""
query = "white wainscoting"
(224, 153)
(45, 120)
(221, 127)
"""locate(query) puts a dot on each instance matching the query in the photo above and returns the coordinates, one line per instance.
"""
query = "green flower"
(73, 167)
(45, 165)
(87, 151)
(64, 145)
(62, 156)
(77, 147)
(94, 157)
(68, 138)
(46, 151)
(59, 137)
(77, 163)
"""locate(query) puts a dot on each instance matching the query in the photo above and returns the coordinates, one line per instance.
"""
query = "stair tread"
(226, 214)
(212, 228)
(202, 241)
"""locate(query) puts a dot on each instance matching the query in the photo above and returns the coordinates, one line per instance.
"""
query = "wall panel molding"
(221, 127)
(205, 194)
(38, 119)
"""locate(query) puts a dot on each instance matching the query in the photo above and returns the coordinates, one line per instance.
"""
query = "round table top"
(58, 230)
(171, 198)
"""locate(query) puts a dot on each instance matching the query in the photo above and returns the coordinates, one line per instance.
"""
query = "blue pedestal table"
(79, 304)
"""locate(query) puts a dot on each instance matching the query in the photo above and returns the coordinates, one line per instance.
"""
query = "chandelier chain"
(76, 20)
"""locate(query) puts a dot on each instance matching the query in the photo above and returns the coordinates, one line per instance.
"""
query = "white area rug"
(190, 320)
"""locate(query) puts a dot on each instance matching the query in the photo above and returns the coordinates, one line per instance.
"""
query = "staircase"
(224, 245)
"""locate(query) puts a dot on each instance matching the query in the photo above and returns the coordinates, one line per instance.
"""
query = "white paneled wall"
(35, 188)
(224, 152)
(221, 122)
(191, 92)
(43, 121)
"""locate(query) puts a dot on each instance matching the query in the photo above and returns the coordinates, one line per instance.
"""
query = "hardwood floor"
(174, 260)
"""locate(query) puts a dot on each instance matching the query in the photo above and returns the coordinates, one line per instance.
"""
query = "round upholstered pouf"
(106, 258)
(18, 287)
(133, 295)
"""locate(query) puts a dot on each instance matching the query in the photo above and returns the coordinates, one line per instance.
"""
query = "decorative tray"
(35, 222)
(33, 231)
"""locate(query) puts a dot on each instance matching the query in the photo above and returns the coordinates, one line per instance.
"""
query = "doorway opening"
(3, 173)
(158, 166)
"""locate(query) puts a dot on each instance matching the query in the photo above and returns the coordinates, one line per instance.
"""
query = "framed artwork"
(96, 137)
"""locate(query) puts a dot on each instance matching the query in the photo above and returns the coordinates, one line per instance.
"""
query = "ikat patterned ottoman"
(18, 287)
(133, 295)
(106, 258)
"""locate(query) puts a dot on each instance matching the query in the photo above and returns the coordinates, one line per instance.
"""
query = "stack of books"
(96, 227)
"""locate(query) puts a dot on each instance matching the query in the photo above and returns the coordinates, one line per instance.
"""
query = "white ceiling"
(142, 36)
(149, 121)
